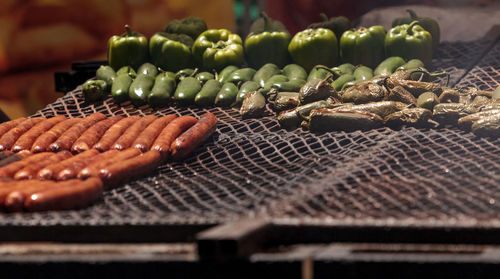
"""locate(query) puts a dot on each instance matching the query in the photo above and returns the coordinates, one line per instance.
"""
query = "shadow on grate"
(486, 74)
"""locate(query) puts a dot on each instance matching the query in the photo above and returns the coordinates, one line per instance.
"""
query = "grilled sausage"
(9, 138)
(5, 154)
(71, 171)
(194, 136)
(108, 158)
(30, 171)
(14, 200)
(66, 140)
(132, 168)
(51, 170)
(15, 157)
(6, 126)
(26, 140)
(42, 143)
(128, 137)
(114, 132)
(90, 137)
(77, 194)
(171, 132)
(146, 138)
(7, 187)
(10, 169)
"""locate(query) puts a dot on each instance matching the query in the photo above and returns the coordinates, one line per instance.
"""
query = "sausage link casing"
(131, 134)
(171, 132)
(42, 143)
(108, 158)
(114, 132)
(14, 200)
(8, 139)
(66, 140)
(50, 171)
(30, 171)
(6, 126)
(93, 134)
(77, 194)
(145, 140)
(10, 169)
(194, 136)
(27, 139)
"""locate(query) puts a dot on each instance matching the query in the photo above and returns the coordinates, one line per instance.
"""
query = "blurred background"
(40, 37)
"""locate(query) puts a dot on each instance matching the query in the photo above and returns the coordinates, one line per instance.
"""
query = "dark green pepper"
(388, 66)
(338, 24)
(270, 82)
(363, 73)
(227, 95)
(129, 49)
(94, 90)
(289, 85)
(346, 68)
(207, 94)
(204, 76)
(294, 71)
(313, 47)
(120, 88)
(363, 46)
(186, 90)
(171, 52)
(226, 72)
(267, 42)
(126, 70)
(411, 65)
(254, 105)
(162, 90)
(188, 72)
(218, 48)
(241, 75)
(319, 72)
(140, 89)
(427, 23)
(191, 26)
(107, 74)
(148, 69)
(340, 81)
(246, 87)
(409, 41)
(265, 72)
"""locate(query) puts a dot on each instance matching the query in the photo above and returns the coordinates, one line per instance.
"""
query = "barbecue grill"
(258, 198)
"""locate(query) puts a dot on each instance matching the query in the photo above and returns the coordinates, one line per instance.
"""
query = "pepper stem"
(412, 13)
(266, 19)
(323, 17)
(410, 27)
(128, 30)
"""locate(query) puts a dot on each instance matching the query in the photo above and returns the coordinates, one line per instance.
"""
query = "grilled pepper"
(363, 46)
(314, 46)
(94, 90)
(191, 26)
(170, 52)
(338, 24)
(129, 49)
(267, 43)
(427, 23)
(409, 41)
(217, 48)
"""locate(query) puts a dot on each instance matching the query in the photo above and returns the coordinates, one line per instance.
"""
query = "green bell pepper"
(427, 23)
(267, 43)
(409, 41)
(338, 24)
(314, 46)
(217, 48)
(170, 52)
(363, 46)
(129, 49)
(191, 26)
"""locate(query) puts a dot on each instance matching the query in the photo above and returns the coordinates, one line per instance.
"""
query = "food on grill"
(129, 49)
(325, 120)
(171, 51)
(337, 24)
(9, 138)
(218, 48)
(141, 88)
(427, 23)
(226, 95)
(191, 26)
(408, 116)
(114, 132)
(162, 90)
(92, 135)
(363, 45)
(186, 90)
(409, 41)
(42, 143)
(27, 139)
(7, 126)
(66, 140)
(48, 180)
(171, 132)
(208, 93)
(107, 74)
(94, 90)
(488, 126)
(254, 105)
(314, 46)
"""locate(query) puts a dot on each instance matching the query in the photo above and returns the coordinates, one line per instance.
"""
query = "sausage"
(51, 170)
(132, 168)
(194, 136)
(10, 169)
(5, 154)
(14, 200)
(172, 131)
(114, 132)
(77, 194)
(6, 187)
(6, 126)
(9, 138)
(93, 134)
(71, 171)
(14, 157)
(26, 140)
(132, 132)
(108, 158)
(42, 143)
(66, 140)
(30, 171)
(146, 138)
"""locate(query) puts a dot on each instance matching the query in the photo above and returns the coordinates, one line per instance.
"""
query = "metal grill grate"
(253, 167)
